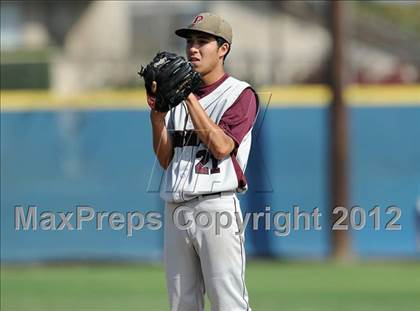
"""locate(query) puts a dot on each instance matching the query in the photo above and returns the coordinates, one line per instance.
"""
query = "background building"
(90, 45)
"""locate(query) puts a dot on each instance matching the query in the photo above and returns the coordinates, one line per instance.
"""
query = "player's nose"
(192, 49)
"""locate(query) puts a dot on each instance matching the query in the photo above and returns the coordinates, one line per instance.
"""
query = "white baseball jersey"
(193, 170)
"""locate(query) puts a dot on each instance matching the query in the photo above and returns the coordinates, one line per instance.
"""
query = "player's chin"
(196, 66)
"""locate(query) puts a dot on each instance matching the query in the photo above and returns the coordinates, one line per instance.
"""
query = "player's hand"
(192, 99)
(151, 98)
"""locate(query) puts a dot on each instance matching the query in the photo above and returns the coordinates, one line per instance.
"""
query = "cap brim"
(187, 32)
(183, 32)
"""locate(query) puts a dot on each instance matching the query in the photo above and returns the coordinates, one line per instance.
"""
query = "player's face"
(203, 53)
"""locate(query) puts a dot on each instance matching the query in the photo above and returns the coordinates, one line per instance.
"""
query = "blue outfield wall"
(57, 160)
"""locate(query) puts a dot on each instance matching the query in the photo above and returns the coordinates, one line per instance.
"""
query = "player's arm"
(219, 144)
(162, 144)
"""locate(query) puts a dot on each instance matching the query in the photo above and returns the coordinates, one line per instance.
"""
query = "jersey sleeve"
(239, 118)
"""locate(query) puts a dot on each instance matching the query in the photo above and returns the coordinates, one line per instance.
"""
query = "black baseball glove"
(175, 79)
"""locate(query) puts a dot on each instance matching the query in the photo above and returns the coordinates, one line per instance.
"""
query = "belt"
(219, 194)
(210, 194)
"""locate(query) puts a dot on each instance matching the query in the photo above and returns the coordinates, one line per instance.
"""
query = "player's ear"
(224, 49)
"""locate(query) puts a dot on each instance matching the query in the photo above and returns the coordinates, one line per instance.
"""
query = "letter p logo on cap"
(197, 19)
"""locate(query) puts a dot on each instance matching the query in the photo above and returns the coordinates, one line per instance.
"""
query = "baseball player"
(203, 145)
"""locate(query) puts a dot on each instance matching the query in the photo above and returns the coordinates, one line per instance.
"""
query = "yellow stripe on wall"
(279, 96)
(45, 100)
(354, 95)
(375, 95)
(295, 95)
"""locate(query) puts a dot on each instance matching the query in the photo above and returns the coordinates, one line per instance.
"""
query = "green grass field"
(271, 285)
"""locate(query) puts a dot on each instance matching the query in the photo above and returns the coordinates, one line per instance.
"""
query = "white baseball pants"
(200, 258)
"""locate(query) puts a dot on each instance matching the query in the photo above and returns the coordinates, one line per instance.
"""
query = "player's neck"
(213, 76)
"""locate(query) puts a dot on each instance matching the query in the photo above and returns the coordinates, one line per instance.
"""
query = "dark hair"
(220, 42)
